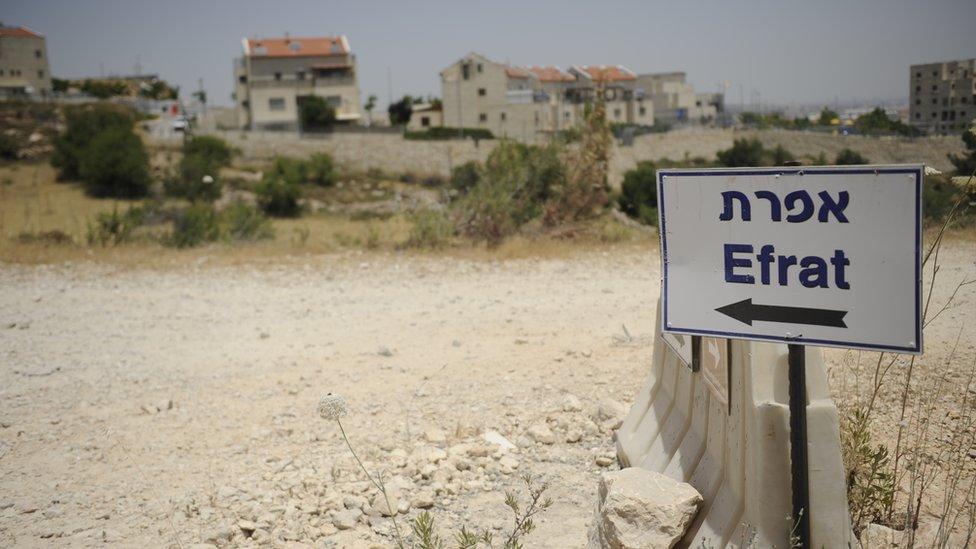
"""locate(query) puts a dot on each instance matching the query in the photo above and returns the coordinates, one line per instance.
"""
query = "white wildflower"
(929, 170)
(332, 407)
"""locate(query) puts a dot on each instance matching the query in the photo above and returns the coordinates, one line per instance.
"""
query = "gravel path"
(170, 407)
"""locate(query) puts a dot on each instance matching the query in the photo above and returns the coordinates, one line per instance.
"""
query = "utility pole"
(458, 86)
(389, 86)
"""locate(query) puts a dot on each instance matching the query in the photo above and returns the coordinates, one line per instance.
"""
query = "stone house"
(24, 68)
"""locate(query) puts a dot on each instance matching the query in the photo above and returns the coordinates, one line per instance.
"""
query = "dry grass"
(32, 202)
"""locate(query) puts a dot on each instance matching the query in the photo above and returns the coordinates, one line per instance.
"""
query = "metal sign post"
(799, 462)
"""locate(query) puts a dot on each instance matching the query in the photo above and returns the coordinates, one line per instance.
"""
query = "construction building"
(526, 102)
(275, 76)
(942, 98)
(24, 68)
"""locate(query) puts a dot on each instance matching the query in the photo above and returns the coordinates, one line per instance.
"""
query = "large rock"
(876, 536)
(642, 509)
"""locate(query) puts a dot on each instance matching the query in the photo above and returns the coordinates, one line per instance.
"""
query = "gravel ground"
(176, 406)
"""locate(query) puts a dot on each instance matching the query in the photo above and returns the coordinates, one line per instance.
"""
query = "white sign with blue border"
(827, 256)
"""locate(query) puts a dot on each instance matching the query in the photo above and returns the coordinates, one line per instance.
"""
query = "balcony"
(516, 97)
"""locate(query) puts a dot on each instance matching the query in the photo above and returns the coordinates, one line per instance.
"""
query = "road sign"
(819, 256)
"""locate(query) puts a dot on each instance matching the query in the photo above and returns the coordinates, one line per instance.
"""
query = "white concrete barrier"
(726, 432)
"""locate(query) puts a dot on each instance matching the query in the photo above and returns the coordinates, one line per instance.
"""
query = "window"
(918, 101)
(38, 54)
(935, 87)
(40, 74)
(334, 101)
(1, 72)
(245, 104)
(482, 117)
(918, 115)
(935, 101)
(935, 114)
(481, 92)
(918, 88)
(502, 116)
(616, 113)
(277, 76)
(465, 71)
(300, 75)
(425, 121)
(964, 100)
(642, 111)
(242, 79)
(935, 73)
(918, 75)
(276, 103)
(480, 68)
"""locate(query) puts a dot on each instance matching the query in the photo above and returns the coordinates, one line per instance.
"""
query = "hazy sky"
(788, 51)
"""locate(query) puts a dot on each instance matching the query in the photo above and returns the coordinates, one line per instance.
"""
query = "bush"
(212, 150)
(83, 124)
(848, 157)
(966, 165)
(245, 222)
(638, 196)
(780, 156)
(114, 228)
(115, 164)
(9, 147)
(744, 153)
(465, 176)
(440, 133)
(877, 122)
(193, 226)
(487, 212)
(940, 193)
(279, 197)
(320, 169)
(430, 229)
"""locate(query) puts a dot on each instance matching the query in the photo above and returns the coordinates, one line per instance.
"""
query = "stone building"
(24, 68)
(275, 75)
(675, 101)
(942, 98)
(527, 102)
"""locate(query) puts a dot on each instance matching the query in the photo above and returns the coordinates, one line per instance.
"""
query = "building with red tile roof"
(275, 76)
(24, 65)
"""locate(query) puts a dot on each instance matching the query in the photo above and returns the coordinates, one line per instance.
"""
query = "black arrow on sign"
(744, 311)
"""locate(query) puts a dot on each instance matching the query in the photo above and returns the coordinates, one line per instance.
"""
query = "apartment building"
(675, 100)
(942, 98)
(24, 68)
(275, 75)
(526, 102)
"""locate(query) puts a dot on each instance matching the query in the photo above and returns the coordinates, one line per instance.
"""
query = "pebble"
(572, 404)
(604, 461)
(541, 433)
(435, 435)
(346, 520)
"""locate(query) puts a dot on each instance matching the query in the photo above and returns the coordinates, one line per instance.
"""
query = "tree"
(201, 96)
(370, 105)
(966, 165)
(827, 117)
(83, 123)
(59, 85)
(115, 165)
(848, 157)
(877, 121)
(744, 153)
(638, 193)
(400, 111)
(317, 114)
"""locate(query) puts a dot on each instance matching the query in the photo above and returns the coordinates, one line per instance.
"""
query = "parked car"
(181, 124)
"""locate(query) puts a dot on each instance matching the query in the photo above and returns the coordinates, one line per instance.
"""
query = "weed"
(113, 227)
(245, 222)
(430, 229)
(193, 226)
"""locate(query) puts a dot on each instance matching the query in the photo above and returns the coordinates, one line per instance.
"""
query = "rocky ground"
(167, 407)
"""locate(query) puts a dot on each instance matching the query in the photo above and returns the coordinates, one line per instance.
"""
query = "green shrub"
(245, 222)
(320, 169)
(279, 197)
(203, 156)
(487, 213)
(744, 153)
(848, 157)
(877, 122)
(429, 229)
(82, 124)
(113, 227)
(193, 226)
(638, 193)
(465, 176)
(115, 164)
(781, 156)
(940, 193)
(9, 146)
(212, 150)
(966, 165)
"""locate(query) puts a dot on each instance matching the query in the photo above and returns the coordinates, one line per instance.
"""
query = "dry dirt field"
(172, 406)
